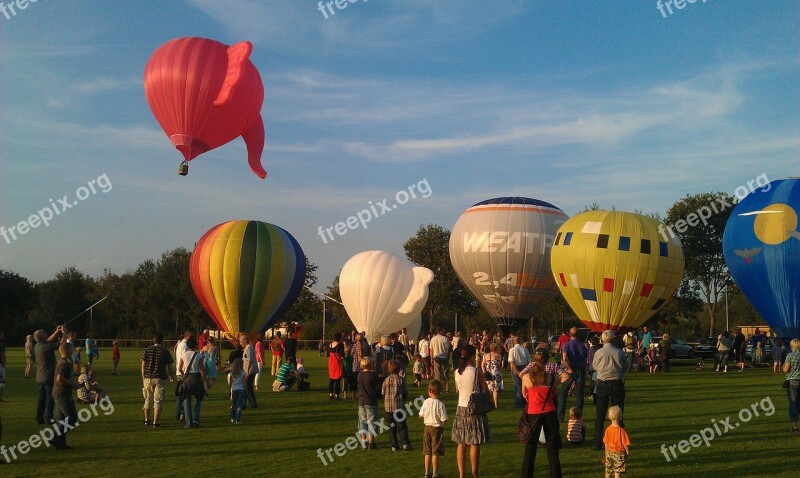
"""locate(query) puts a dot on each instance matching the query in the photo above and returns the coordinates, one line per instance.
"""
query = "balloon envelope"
(761, 244)
(205, 94)
(615, 269)
(500, 250)
(246, 274)
(382, 292)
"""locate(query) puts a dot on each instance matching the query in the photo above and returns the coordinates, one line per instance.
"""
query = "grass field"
(281, 437)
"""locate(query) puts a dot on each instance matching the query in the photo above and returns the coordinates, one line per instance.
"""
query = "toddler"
(419, 367)
(576, 430)
(617, 442)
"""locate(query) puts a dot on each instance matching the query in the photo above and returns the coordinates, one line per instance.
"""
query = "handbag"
(481, 401)
(525, 425)
(181, 383)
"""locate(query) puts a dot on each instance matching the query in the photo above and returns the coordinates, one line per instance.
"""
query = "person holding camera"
(45, 353)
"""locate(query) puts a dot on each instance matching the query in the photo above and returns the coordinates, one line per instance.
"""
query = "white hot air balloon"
(382, 292)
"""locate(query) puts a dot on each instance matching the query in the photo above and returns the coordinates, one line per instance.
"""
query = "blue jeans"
(187, 410)
(46, 404)
(578, 377)
(629, 358)
(237, 403)
(793, 393)
(519, 402)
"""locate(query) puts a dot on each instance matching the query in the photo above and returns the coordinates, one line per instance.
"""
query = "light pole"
(324, 297)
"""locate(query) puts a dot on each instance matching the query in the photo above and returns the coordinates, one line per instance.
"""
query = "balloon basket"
(183, 169)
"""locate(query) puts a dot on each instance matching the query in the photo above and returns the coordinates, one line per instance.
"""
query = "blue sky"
(571, 102)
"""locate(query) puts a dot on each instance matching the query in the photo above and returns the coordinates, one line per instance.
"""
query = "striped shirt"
(393, 390)
(156, 359)
(575, 429)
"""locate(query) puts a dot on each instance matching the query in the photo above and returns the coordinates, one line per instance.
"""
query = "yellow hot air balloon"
(615, 269)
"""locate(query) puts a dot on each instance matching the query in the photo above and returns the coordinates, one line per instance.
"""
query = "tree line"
(157, 295)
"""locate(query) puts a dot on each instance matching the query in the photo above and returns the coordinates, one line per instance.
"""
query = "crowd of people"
(373, 371)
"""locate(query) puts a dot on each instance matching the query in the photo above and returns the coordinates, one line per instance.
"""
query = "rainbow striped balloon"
(246, 274)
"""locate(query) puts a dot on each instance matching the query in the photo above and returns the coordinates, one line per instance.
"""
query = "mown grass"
(281, 437)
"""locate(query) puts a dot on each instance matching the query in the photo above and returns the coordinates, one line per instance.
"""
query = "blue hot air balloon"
(762, 250)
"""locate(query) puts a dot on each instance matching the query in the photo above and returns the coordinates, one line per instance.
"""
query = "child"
(433, 414)
(114, 358)
(76, 360)
(237, 380)
(652, 354)
(419, 367)
(576, 430)
(348, 377)
(616, 441)
(367, 403)
(394, 396)
(759, 354)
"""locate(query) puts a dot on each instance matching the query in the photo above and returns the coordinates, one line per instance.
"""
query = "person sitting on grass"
(576, 430)
(89, 391)
(617, 442)
(287, 375)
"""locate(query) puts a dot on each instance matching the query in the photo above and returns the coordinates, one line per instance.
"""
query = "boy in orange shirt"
(616, 441)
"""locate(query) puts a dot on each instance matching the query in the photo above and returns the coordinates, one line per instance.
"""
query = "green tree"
(702, 243)
(19, 298)
(62, 298)
(430, 248)
(308, 305)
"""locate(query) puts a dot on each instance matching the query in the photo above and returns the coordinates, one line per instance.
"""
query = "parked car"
(680, 349)
(707, 348)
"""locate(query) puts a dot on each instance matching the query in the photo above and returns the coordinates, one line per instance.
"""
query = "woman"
(90, 391)
(211, 354)
(665, 349)
(792, 382)
(777, 354)
(491, 364)
(724, 349)
(30, 357)
(469, 430)
(194, 376)
(335, 360)
(539, 388)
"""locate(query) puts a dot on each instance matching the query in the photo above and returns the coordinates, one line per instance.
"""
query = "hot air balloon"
(761, 244)
(205, 94)
(500, 250)
(382, 292)
(614, 269)
(246, 274)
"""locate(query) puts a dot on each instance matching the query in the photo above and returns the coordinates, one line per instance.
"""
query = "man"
(63, 383)
(573, 357)
(156, 362)
(287, 375)
(738, 349)
(609, 363)
(45, 352)
(647, 337)
(260, 351)
(425, 353)
(440, 353)
(91, 348)
(277, 353)
(507, 346)
(203, 339)
(562, 339)
(403, 339)
(290, 346)
(180, 351)
(518, 359)
(251, 369)
(630, 344)
(398, 349)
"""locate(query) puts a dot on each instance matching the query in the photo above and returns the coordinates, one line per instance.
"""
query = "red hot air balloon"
(205, 94)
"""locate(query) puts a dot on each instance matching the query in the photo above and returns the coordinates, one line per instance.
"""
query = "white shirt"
(439, 347)
(433, 412)
(424, 348)
(180, 351)
(519, 356)
(465, 384)
(456, 340)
